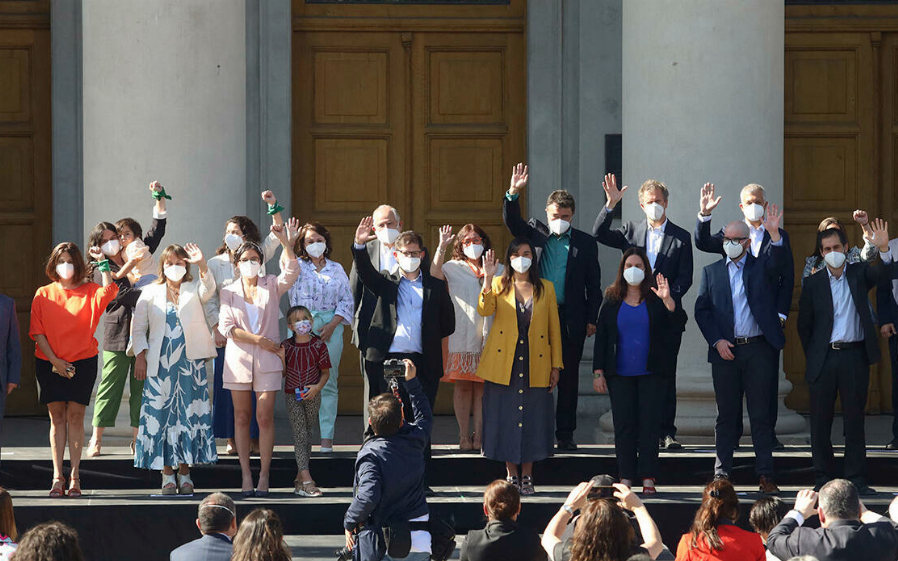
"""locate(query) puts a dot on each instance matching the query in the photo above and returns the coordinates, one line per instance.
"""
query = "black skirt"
(54, 387)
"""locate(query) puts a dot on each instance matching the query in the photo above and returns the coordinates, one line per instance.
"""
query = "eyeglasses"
(412, 254)
(472, 241)
(737, 240)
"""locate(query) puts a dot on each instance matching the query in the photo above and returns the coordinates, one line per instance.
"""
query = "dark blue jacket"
(389, 478)
(210, 547)
(704, 241)
(674, 261)
(714, 305)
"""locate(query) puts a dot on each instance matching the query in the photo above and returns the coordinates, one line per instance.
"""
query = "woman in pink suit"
(248, 317)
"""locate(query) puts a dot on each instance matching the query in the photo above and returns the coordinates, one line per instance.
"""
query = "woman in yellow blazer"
(519, 364)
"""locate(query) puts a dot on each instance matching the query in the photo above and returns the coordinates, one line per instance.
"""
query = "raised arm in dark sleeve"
(420, 407)
(593, 283)
(370, 277)
(605, 235)
(154, 235)
(704, 241)
(511, 215)
(784, 541)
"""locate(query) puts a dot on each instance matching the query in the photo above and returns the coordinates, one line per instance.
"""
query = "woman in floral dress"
(172, 342)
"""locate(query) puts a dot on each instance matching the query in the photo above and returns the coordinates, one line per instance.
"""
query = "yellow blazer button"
(521, 341)
(520, 391)
(520, 425)
(520, 358)
(520, 375)
(520, 407)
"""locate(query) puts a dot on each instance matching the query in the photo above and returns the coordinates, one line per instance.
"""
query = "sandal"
(133, 448)
(93, 449)
(185, 484)
(75, 488)
(306, 489)
(476, 443)
(58, 488)
(169, 484)
(231, 450)
(527, 489)
(464, 444)
(513, 479)
(648, 486)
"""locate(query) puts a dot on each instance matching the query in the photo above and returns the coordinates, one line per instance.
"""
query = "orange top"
(69, 318)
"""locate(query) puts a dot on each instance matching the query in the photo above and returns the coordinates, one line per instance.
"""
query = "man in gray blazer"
(10, 350)
(217, 521)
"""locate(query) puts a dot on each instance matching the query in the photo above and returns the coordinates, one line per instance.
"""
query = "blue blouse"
(632, 340)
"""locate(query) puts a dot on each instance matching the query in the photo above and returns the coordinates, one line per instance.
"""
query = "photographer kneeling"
(389, 481)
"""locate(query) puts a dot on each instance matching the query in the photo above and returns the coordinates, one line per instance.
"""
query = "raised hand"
(293, 227)
(860, 216)
(880, 236)
(805, 502)
(612, 193)
(445, 236)
(194, 254)
(280, 232)
(707, 203)
(96, 253)
(773, 220)
(519, 177)
(155, 187)
(269, 197)
(490, 265)
(663, 290)
(365, 232)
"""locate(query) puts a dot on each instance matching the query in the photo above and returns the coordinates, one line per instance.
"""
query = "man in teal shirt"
(568, 258)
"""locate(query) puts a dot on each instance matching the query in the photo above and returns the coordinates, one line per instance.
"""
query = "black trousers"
(845, 374)
(568, 382)
(669, 403)
(893, 354)
(636, 405)
(750, 374)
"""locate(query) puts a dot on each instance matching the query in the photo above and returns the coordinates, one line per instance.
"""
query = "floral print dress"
(175, 414)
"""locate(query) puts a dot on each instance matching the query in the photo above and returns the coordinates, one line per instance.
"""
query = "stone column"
(703, 101)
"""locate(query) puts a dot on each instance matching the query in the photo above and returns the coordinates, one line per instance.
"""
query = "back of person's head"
(385, 414)
(216, 513)
(50, 541)
(260, 538)
(7, 518)
(838, 500)
(603, 532)
(719, 502)
(501, 500)
(765, 514)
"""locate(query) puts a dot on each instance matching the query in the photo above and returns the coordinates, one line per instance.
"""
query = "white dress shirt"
(846, 321)
(408, 316)
(653, 238)
(757, 236)
(745, 324)
(387, 261)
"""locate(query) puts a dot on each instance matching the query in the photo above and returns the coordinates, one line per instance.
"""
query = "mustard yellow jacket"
(544, 336)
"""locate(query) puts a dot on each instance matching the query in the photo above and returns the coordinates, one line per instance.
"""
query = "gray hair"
(752, 189)
(838, 500)
(388, 208)
(216, 513)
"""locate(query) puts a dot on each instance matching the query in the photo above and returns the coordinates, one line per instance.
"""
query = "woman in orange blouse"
(64, 317)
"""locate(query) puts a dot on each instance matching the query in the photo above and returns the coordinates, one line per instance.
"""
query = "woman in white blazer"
(171, 340)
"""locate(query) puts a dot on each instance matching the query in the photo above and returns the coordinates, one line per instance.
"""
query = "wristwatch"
(567, 509)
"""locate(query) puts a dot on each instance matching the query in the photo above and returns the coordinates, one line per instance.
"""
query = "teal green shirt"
(553, 263)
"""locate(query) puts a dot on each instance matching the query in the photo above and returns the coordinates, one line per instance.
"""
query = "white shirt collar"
(416, 281)
(658, 229)
(752, 229)
(738, 264)
(834, 278)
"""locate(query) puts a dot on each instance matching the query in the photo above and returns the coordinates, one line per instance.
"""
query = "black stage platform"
(120, 518)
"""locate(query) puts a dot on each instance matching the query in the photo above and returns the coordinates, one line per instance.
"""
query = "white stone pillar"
(164, 97)
(703, 101)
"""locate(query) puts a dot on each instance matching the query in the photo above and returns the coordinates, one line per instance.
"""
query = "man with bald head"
(737, 314)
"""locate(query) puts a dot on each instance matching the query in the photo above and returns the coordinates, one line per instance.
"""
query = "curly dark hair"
(299, 247)
(247, 226)
(50, 541)
(458, 250)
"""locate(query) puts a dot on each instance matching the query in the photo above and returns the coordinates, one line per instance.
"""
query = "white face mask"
(233, 241)
(174, 273)
(733, 249)
(473, 251)
(653, 211)
(521, 264)
(387, 235)
(316, 249)
(559, 226)
(835, 259)
(65, 270)
(753, 212)
(408, 264)
(634, 276)
(249, 269)
(110, 248)
(303, 327)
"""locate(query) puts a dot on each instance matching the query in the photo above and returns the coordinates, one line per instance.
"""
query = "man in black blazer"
(411, 314)
(753, 203)
(847, 529)
(737, 315)
(669, 249)
(217, 521)
(840, 342)
(569, 258)
(887, 310)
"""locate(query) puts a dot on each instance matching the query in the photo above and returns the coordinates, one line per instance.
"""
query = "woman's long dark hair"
(249, 229)
(719, 501)
(826, 224)
(260, 538)
(532, 273)
(617, 290)
(603, 533)
(95, 239)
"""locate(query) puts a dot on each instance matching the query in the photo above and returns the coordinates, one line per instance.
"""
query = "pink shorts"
(269, 382)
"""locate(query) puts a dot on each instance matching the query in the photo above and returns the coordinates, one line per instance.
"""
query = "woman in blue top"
(633, 355)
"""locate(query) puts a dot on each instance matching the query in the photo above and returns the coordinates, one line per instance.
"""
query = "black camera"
(394, 369)
(602, 488)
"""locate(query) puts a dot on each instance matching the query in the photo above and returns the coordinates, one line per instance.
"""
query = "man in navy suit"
(669, 249)
(569, 258)
(217, 521)
(737, 315)
(753, 203)
(10, 350)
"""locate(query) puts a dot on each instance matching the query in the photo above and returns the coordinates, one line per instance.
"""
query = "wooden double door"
(419, 107)
(841, 145)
